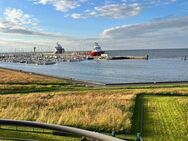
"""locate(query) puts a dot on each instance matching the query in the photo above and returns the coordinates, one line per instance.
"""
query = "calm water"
(163, 65)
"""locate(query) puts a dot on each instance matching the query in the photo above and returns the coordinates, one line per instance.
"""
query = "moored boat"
(97, 51)
(49, 62)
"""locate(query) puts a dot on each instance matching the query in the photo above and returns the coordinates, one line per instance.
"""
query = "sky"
(76, 24)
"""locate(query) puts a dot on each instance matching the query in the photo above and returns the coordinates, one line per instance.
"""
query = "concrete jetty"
(128, 57)
(106, 57)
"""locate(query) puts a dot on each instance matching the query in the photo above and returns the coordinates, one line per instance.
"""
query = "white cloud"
(123, 9)
(155, 26)
(17, 16)
(154, 3)
(62, 5)
(163, 33)
(118, 10)
(76, 16)
(43, 42)
(16, 21)
(112, 10)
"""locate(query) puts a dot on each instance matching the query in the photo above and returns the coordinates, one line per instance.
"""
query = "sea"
(163, 65)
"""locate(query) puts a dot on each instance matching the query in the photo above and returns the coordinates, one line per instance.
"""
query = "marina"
(60, 55)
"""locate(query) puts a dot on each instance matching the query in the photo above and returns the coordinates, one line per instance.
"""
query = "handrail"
(76, 131)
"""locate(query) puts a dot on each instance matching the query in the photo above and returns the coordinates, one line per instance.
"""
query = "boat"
(49, 62)
(59, 49)
(44, 62)
(97, 51)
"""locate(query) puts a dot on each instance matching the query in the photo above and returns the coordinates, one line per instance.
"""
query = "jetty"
(106, 57)
(128, 57)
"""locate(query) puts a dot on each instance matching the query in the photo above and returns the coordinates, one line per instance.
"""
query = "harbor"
(156, 69)
(61, 55)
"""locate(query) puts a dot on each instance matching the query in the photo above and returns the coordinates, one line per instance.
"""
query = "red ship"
(97, 51)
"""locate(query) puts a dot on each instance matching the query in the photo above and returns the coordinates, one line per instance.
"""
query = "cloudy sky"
(76, 24)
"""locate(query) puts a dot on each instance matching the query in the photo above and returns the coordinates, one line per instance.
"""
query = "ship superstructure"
(97, 51)
(59, 49)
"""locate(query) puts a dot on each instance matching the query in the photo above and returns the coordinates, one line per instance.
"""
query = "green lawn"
(165, 118)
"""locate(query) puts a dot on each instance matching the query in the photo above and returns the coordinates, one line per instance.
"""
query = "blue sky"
(116, 24)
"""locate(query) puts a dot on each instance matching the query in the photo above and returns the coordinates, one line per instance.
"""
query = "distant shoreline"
(92, 83)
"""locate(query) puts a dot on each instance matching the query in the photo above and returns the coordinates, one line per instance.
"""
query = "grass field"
(26, 96)
(165, 118)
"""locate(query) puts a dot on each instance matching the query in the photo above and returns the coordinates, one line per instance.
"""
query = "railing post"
(113, 133)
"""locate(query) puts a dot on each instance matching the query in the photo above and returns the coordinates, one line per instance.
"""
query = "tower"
(34, 48)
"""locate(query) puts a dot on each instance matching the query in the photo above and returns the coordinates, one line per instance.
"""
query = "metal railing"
(66, 129)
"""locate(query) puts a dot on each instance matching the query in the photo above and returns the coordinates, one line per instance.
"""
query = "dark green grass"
(136, 120)
(55, 87)
(32, 88)
(34, 136)
(46, 135)
(166, 118)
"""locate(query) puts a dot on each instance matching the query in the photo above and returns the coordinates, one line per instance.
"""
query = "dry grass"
(8, 76)
(100, 112)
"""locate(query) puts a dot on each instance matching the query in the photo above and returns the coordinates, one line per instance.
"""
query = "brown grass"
(8, 76)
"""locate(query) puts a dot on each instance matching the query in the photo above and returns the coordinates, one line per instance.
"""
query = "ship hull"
(97, 53)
